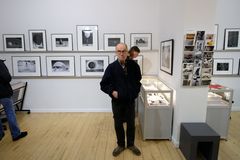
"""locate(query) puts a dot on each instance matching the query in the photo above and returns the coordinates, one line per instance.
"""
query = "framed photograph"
(87, 37)
(26, 66)
(142, 40)
(13, 42)
(166, 56)
(93, 66)
(37, 39)
(222, 66)
(112, 39)
(60, 66)
(232, 38)
(62, 42)
(216, 26)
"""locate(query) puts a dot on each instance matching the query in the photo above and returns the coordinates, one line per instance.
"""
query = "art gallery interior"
(64, 110)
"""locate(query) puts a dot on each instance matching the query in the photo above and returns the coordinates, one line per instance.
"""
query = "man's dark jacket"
(5, 78)
(125, 81)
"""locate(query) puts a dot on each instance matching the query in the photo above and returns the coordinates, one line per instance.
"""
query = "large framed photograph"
(232, 38)
(222, 66)
(37, 39)
(13, 42)
(87, 37)
(166, 56)
(142, 40)
(62, 42)
(26, 66)
(93, 66)
(112, 39)
(60, 66)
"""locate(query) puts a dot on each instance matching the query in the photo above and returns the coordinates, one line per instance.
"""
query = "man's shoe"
(2, 136)
(117, 151)
(135, 150)
(23, 134)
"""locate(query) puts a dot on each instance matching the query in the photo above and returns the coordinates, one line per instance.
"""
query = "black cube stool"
(198, 139)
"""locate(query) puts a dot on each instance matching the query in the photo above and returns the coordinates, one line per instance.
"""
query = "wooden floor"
(91, 136)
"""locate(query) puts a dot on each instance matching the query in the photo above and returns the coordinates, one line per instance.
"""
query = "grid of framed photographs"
(197, 59)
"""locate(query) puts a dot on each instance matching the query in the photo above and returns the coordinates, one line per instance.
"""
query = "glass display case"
(219, 108)
(155, 109)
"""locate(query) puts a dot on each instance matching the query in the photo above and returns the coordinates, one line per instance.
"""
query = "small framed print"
(93, 66)
(112, 39)
(87, 37)
(142, 40)
(60, 66)
(37, 39)
(166, 61)
(62, 42)
(13, 42)
(232, 38)
(26, 66)
(222, 66)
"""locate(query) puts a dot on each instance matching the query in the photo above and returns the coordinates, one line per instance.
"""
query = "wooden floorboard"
(91, 136)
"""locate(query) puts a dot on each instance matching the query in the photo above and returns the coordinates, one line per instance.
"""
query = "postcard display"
(155, 109)
(219, 108)
(197, 59)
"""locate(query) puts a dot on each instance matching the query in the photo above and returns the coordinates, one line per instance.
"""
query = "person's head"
(121, 52)
(134, 51)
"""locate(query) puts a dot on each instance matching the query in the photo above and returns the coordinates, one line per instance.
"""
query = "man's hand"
(115, 94)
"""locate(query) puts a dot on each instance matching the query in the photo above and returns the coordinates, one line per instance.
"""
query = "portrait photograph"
(166, 56)
(232, 39)
(60, 66)
(37, 40)
(87, 37)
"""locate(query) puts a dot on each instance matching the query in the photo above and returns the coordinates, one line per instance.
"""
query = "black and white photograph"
(87, 37)
(187, 74)
(26, 66)
(13, 42)
(232, 38)
(112, 39)
(93, 66)
(142, 40)
(166, 61)
(60, 66)
(37, 39)
(196, 77)
(62, 42)
(200, 35)
(188, 57)
(222, 66)
(199, 46)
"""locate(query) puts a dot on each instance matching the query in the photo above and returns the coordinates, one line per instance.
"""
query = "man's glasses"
(121, 51)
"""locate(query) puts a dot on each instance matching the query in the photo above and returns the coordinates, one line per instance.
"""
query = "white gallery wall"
(47, 94)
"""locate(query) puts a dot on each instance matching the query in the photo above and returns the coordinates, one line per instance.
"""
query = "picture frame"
(87, 37)
(142, 40)
(60, 66)
(222, 66)
(37, 40)
(216, 28)
(13, 42)
(111, 40)
(62, 42)
(232, 39)
(93, 66)
(166, 56)
(29, 66)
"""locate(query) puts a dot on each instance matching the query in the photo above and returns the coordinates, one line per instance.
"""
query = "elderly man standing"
(121, 81)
